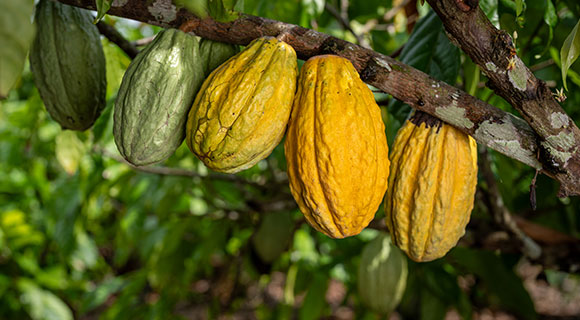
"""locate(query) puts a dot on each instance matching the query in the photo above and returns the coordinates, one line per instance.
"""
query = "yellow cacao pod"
(336, 148)
(242, 109)
(431, 187)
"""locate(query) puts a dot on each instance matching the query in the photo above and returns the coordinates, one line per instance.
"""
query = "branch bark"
(490, 126)
(510, 78)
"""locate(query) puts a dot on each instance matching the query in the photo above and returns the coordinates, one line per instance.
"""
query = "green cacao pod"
(336, 148)
(382, 275)
(154, 97)
(431, 187)
(16, 35)
(214, 53)
(68, 64)
(273, 235)
(241, 111)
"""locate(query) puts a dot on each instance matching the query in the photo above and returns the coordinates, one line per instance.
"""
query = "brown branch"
(490, 126)
(494, 52)
(115, 37)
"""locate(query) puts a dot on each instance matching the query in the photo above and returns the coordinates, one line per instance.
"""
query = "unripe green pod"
(382, 275)
(155, 96)
(68, 64)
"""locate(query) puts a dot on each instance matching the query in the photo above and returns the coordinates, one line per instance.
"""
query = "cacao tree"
(106, 213)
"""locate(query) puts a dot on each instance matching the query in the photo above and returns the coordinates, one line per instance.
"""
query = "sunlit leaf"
(41, 304)
(69, 151)
(102, 7)
(570, 51)
(499, 279)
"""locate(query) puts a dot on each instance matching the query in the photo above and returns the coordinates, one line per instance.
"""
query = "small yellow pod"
(431, 187)
(336, 148)
(241, 111)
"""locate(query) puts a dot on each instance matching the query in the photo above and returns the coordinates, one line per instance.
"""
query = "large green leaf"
(500, 280)
(570, 51)
(428, 50)
(16, 35)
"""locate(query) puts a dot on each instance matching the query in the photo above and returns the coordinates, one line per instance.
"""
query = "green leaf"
(519, 7)
(471, 74)
(219, 10)
(500, 280)
(197, 7)
(41, 304)
(314, 302)
(490, 9)
(570, 51)
(16, 35)
(550, 18)
(101, 293)
(102, 7)
(430, 51)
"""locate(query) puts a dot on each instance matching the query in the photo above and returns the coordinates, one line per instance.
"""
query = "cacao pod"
(273, 235)
(382, 275)
(431, 187)
(68, 64)
(155, 96)
(336, 148)
(214, 53)
(241, 111)
(16, 35)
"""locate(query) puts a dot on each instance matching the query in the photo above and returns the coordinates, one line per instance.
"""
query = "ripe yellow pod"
(241, 111)
(336, 148)
(431, 187)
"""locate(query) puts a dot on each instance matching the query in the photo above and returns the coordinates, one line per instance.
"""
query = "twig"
(389, 15)
(114, 36)
(143, 41)
(500, 213)
(345, 24)
(542, 65)
(178, 172)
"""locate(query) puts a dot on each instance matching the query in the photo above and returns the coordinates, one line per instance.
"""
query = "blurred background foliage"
(84, 235)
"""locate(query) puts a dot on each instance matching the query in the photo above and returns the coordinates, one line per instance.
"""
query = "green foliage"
(102, 7)
(84, 235)
(570, 51)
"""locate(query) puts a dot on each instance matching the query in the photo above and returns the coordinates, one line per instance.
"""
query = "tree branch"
(114, 36)
(490, 126)
(494, 52)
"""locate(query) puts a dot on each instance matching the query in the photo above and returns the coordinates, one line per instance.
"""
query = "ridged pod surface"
(431, 187)
(382, 275)
(241, 112)
(155, 96)
(336, 148)
(68, 64)
(16, 36)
